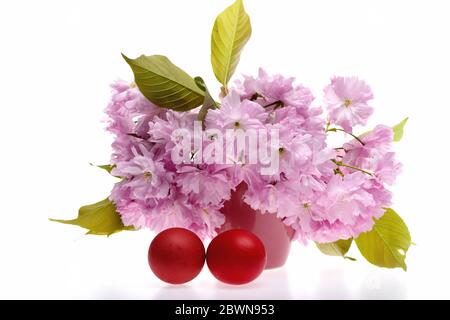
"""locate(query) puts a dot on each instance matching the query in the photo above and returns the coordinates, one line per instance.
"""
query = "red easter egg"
(236, 256)
(176, 255)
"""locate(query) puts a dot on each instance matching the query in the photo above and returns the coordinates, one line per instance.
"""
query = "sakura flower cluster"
(324, 192)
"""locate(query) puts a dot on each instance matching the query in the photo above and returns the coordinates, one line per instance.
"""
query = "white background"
(57, 59)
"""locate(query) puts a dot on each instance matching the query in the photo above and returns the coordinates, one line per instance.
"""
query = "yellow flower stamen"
(148, 175)
(347, 102)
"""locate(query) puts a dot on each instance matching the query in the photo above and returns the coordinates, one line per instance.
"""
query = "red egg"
(176, 255)
(236, 257)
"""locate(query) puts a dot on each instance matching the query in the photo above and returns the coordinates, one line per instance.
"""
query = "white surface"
(57, 59)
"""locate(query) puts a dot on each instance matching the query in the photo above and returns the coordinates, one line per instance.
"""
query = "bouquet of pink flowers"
(179, 153)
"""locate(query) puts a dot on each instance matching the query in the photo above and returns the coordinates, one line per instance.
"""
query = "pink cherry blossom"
(267, 89)
(203, 186)
(324, 192)
(237, 114)
(145, 177)
(346, 100)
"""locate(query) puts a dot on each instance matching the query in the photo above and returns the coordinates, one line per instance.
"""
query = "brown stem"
(341, 164)
(338, 129)
(277, 103)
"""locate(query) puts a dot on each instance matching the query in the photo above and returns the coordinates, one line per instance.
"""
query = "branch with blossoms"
(333, 196)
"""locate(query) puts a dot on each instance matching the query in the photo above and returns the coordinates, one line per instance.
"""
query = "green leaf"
(200, 83)
(398, 130)
(208, 103)
(107, 167)
(164, 84)
(100, 218)
(230, 33)
(338, 248)
(387, 243)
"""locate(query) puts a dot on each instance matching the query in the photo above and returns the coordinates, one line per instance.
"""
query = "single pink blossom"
(346, 100)
(145, 177)
(204, 187)
(268, 89)
(237, 114)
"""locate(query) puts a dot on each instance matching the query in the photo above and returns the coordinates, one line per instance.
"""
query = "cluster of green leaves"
(385, 245)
